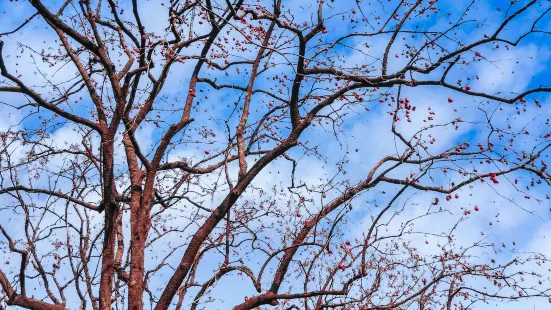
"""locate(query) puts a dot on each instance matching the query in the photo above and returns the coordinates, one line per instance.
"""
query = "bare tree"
(162, 147)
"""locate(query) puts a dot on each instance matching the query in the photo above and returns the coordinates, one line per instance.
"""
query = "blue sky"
(502, 70)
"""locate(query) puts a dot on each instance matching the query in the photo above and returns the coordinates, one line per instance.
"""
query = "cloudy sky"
(505, 215)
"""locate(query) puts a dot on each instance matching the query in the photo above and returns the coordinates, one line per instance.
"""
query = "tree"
(322, 154)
